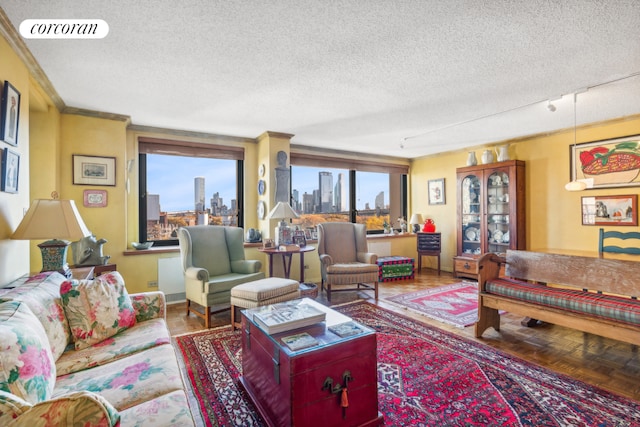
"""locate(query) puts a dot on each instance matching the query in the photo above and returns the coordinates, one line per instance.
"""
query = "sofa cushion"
(603, 306)
(97, 309)
(26, 364)
(129, 381)
(139, 337)
(41, 293)
(170, 409)
(81, 408)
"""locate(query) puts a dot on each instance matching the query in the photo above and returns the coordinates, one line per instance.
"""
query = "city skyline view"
(172, 178)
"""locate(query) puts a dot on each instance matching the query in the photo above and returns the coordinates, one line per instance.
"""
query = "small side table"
(429, 244)
(286, 259)
(101, 269)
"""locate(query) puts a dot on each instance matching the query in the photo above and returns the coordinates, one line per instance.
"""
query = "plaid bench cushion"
(610, 307)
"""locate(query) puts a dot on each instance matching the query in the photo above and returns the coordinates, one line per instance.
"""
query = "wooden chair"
(626, 249)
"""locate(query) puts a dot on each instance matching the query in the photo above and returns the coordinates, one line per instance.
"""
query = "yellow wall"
(553, 214)
(14, 254)
(48, 139)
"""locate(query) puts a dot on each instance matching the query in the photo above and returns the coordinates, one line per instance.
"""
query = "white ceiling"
(356, 75)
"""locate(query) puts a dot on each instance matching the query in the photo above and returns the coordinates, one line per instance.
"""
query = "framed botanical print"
(435, 189)
(10, 114)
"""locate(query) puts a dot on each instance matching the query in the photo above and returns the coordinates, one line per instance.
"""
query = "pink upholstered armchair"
(345, 259)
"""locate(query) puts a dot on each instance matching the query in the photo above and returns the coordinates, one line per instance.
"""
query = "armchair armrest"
(367, 257)
(246, 266)
(149, 305)
(325, 259)
(197, 273)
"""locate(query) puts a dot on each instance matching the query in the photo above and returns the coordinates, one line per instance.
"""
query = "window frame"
(354, 166)
(185, 149)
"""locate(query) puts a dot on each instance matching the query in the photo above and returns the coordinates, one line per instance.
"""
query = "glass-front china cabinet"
(491, 215)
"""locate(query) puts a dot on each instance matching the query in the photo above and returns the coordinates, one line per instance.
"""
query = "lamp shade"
(416, 218)
(52, 219)
(282, 211)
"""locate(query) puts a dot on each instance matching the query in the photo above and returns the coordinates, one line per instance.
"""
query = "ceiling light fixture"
(575, 185)
(551, 107)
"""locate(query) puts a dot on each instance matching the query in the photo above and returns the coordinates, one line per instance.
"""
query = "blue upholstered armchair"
(213, 262)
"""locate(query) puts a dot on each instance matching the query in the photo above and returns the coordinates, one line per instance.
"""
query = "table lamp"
(283, 233)
(56, 220)
(416, 221)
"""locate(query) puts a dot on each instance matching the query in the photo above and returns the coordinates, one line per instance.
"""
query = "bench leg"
(487, 317)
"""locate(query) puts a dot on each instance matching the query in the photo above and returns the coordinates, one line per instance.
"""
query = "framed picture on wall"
(435, 188)
(608, 163)
(10, 171)
(610, 210)
(95, 198)
(94, 170)
(10, 114)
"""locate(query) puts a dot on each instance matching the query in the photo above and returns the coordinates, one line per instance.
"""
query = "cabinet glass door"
(471, 226)
(497, 210)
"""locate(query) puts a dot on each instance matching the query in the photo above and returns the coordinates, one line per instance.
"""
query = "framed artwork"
(94, 170)
(10, 114)
(10, 171)
(435, 189)
(299, 238)
(608, 163)
(95, 198)
(610, 210)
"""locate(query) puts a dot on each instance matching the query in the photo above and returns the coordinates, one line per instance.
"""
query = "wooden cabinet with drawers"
(491, 212)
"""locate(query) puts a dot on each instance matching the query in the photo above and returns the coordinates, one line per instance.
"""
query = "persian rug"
(426, 377)
(455, 304)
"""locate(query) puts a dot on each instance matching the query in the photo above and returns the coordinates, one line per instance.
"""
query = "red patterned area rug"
(455, 304)
(426, 377)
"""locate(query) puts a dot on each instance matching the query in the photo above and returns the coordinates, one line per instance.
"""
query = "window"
(187, 184)
(323, 191)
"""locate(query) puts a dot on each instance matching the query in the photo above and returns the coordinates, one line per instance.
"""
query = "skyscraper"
(325, 188)
(199, 200)
(340, 194)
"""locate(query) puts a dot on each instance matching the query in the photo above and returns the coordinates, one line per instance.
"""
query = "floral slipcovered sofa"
(87, 353)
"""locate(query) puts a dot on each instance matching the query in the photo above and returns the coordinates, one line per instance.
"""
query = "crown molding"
(14, 40)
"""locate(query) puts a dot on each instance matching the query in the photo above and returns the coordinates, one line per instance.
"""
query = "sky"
(172, 177)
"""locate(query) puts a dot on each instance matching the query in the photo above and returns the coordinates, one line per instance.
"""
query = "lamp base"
(54, 256)
(416, 228)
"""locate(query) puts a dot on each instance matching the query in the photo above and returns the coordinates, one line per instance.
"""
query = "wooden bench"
(581, 281)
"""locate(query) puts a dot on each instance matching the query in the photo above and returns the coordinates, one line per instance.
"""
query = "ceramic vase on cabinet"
(487, 157)
(471, 160)
(503, 153)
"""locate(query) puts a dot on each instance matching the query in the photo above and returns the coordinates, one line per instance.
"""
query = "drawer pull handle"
(467, 266)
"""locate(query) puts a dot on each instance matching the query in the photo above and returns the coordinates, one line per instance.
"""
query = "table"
(304, 387)
(287, 255)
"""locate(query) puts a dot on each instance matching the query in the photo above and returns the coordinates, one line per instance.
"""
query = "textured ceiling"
(359, 75)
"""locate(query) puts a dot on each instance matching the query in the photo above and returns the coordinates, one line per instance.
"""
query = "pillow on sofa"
(97, 309)
(82, 408)
(27, 367)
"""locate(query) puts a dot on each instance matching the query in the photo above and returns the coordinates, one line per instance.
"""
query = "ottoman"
(261, 292)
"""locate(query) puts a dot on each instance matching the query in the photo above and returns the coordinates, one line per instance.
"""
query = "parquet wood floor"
(609, 364)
